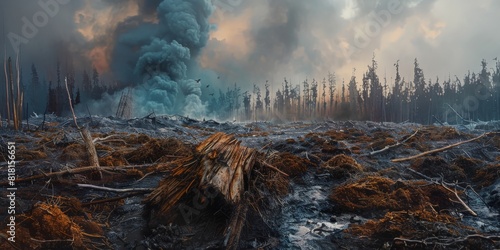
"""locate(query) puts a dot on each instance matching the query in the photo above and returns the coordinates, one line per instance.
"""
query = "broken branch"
(75, 171)
(115, 189)
(443, 148)
(442, 183)
(273, 168)
(460, 200)
(393, 146)
(447, 241)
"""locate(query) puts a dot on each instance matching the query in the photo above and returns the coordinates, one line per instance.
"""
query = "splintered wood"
(224, 163)
(220, 162)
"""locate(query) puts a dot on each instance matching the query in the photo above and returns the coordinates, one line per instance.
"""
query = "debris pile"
(221, 175)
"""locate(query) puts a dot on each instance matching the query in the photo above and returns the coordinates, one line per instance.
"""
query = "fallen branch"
(479, 197)
(95, 202)
(393, 146)
(103, 139)
(273, 168)
(75, 171)
(460, 200)
(115, 189)
(443, 184)
(447, 241)
(435, 118)
(443, 148)
(461, 117)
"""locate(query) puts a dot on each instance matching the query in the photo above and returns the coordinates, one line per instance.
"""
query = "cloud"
(269, 40)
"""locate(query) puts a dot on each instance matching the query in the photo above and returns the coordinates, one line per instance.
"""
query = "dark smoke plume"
(154, 56)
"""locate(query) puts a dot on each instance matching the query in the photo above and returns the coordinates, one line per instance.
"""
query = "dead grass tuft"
(376, 194)
(438, 133)
(30, 155)
(48, 223)
(115, 159)
(137, 139)
(418, 224)
(291, 164)
(381, 143)
(341, 166)
(435, 166)
(157, 149)
(74, 152)
(487, 176)
(468, 165)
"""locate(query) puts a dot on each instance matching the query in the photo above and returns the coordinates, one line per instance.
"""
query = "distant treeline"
(50, 97)
(474, 97)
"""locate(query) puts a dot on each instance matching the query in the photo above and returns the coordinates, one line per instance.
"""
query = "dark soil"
(338, 193)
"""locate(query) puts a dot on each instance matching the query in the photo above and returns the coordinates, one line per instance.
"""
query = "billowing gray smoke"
(154, 57)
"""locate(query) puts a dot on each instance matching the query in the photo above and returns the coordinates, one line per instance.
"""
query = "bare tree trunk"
(7, 90)
(11, 89)
(87, 138)
(18, 122)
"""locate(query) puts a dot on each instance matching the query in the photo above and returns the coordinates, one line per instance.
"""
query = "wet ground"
(344, 191)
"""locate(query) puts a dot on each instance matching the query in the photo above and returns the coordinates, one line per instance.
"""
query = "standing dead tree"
(7, 102)
(14, 94)
(125, 105)
(87, 138)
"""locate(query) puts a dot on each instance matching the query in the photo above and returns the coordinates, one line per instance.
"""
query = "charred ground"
(329, 185)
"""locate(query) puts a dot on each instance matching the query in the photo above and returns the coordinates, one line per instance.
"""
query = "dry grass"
(376, 194)
(487, 176)
(291, 164)
(156, 149)
(341, 166)
(419, 224)
(435, 166)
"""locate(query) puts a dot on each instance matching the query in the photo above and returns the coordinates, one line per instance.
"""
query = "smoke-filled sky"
(228, 41)
(309, 38)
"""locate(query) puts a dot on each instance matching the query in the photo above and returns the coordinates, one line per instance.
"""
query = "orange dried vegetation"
(435, 166)
(115, 159)
(381, 143)
(418, 224)
(379, 194)
(26, 154)
(156, 149)
(487, 176)
(52, 228)
(291, 164)
(74, 152)
(341, 166)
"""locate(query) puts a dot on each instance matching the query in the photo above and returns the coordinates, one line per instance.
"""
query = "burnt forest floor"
(343, 189)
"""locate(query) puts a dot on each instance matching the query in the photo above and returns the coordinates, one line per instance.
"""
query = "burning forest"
(199, 124)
